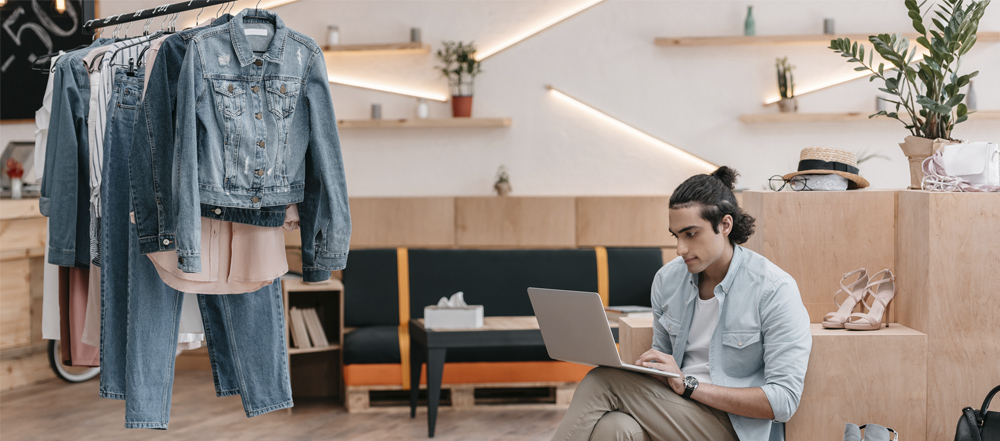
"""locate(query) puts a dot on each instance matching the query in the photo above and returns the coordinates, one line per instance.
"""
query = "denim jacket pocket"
(743, 352)
(281, 97)
(230, 96)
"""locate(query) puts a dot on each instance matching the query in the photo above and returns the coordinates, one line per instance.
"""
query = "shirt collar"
(237, 31)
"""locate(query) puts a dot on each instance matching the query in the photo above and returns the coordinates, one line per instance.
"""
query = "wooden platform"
(463, 397)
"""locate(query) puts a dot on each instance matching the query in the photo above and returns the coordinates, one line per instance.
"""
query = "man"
(730, 322)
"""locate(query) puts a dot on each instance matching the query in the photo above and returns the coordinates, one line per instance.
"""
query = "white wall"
(690, 97)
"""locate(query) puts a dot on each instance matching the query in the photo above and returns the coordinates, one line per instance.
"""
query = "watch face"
(690, 382)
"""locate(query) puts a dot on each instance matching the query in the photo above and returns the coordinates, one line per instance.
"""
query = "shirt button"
(166, 241)
(740, 343)
(255, 199)
(217, 211)
(255, 89)
(259, 115)
(260, 144)
(259, 62)
(260, 172)
(230, 88)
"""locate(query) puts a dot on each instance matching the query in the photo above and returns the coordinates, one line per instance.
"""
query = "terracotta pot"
(502, 188)
(461, 106)
(788, 105)
(916, 150)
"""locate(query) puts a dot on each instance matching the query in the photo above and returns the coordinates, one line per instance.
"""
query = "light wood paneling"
(817, 237)
(403, 222)
(523, 222)
(19, 209)
(739, 40)
(15, 296)
(947, 257)
(22, 234)
(25, 366)
(863, 377)
(635, 336)
(629, 221)
(441, 123)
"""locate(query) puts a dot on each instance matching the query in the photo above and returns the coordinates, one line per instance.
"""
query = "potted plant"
(786, 86)
(460, 67)
(502, 185)
(930, 89)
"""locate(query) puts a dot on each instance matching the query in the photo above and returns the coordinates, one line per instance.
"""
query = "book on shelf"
(616, 312)
(315, 327)
(300, 337)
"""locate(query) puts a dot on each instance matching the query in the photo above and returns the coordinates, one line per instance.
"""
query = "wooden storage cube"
(15, 296)
(524, 222)
(624, 221)
(948, 261)
(817, 237)
(402, 222)
(635, 336)
(863, 377)
(316, 372)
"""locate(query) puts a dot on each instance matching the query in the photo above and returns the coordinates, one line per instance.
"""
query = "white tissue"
(457, 301)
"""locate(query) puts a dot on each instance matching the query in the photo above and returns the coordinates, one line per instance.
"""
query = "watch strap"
(688, 390)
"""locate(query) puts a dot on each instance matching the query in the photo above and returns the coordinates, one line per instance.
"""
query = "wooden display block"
(626, 221)
(817, 237)
(522, 222)
(402, 222)
(948, 256)
(24, 234)
(15, 296)
(853, 376)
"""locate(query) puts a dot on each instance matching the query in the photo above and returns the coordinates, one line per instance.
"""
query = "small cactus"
(786, 81)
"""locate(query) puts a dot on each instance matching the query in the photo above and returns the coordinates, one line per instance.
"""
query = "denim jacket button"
(230, 88)
(255, 199)
(260, 144)
(259, 115)
(255, 89)
(259, 172)
(259, 62)
(218, 211)
(283, 90)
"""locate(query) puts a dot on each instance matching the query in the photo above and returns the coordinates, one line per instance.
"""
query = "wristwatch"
(690, 384)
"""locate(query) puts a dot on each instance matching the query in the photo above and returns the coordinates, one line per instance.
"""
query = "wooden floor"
(61, 411)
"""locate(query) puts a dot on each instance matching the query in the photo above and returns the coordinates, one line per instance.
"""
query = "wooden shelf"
(381, 49)
(293, 351)
(740, 40)
(840, 117)
(444, 123)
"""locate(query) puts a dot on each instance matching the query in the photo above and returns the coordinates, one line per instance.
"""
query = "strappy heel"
(855, 294)
(882, 290)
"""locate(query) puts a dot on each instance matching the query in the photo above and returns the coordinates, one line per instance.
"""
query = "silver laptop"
(575, 328)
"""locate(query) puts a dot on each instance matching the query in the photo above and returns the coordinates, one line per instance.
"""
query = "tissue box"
(453, 318)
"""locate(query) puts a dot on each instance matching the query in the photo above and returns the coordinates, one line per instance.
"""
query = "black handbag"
(979, 425)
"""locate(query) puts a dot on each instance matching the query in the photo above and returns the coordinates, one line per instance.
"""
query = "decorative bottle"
(749, 26)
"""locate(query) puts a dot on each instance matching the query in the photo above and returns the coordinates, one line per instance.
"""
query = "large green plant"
(459, 65)
(928, 90)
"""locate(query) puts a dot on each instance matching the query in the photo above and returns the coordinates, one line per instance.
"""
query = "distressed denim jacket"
(152, 155)
(67, 163)
(762, 339)
(256, 128)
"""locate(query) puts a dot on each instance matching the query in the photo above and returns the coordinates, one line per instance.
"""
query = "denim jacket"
(67, 163)
(762, 339)
(259, 130)
(152, 155)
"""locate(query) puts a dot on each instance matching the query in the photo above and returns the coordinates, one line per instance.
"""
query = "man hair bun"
(726, 175)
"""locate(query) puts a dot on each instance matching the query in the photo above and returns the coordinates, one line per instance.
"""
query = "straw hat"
(826, 161)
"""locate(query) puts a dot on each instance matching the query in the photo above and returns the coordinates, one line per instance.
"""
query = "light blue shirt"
(762, 339)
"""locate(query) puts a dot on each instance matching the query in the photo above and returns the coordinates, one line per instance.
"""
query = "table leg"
(417, 355)
(435, 369)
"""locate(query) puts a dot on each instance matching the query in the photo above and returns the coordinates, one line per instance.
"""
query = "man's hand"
(657, 360)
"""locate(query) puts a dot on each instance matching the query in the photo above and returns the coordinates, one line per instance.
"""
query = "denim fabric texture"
(257, 131)
(126, 95)
(152, 154)
(66, 163)
(762, 339)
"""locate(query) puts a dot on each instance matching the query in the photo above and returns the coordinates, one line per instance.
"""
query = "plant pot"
(788, 105)
(502, 188)
(15, 188)
(461, 106)
(916, 150)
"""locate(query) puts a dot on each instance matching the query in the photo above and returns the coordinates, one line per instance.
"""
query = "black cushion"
(380, 344)
(630, 274)
(371, 289)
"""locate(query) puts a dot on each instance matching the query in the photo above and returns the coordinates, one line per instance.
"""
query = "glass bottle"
(749, 26)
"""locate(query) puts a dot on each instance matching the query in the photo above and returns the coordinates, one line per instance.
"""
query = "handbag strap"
(981, 415)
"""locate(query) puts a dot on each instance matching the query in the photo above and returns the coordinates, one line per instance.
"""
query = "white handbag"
(975, 162)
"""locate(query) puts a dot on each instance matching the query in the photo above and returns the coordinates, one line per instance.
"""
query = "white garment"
(191, 332)
(42, 128)
(50, 297)
(706, 318)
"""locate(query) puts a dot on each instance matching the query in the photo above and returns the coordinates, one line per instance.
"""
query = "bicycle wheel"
(69, 374)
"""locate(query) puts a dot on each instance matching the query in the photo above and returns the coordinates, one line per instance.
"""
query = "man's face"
(697, 242)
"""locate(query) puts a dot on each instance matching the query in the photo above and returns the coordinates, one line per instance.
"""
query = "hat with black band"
(826, 161)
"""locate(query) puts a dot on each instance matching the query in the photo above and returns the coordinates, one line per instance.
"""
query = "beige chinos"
(613, 404)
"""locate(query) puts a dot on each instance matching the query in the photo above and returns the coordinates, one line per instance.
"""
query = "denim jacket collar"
(241, 45)
(727, 282)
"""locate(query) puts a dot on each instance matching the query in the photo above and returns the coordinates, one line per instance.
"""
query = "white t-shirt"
(706, 318)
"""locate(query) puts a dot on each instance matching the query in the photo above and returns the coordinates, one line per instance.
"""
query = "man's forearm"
(744, 401)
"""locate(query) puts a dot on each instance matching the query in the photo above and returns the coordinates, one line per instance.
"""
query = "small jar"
(376, 111)
(422, 111)
(414, 35)
(332, 35)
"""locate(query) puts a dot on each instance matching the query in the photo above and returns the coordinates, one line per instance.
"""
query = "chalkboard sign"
(31, 29)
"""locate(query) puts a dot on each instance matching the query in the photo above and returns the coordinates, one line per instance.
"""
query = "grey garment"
(762, 339)
(256, 128)
(614, 404)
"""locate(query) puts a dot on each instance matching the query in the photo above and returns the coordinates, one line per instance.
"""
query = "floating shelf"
(444, 123)
(740, 40)
(293, 351)
(391, 48)
(840, 117)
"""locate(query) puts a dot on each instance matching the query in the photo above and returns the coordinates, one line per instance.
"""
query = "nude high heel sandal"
(855, 293)
(882, 290)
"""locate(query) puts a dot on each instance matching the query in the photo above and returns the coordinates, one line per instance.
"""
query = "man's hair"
(714, 192)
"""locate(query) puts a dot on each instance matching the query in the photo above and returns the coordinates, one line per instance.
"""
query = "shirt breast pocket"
(281, 97)
(230, 97)
(672, 326)
(742, 353)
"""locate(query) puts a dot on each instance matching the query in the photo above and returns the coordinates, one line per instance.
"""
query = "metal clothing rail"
(144, 14)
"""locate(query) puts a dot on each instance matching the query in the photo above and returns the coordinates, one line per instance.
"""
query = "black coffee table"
(430, 346)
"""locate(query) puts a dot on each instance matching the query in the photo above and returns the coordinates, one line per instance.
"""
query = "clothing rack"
(145, 14)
